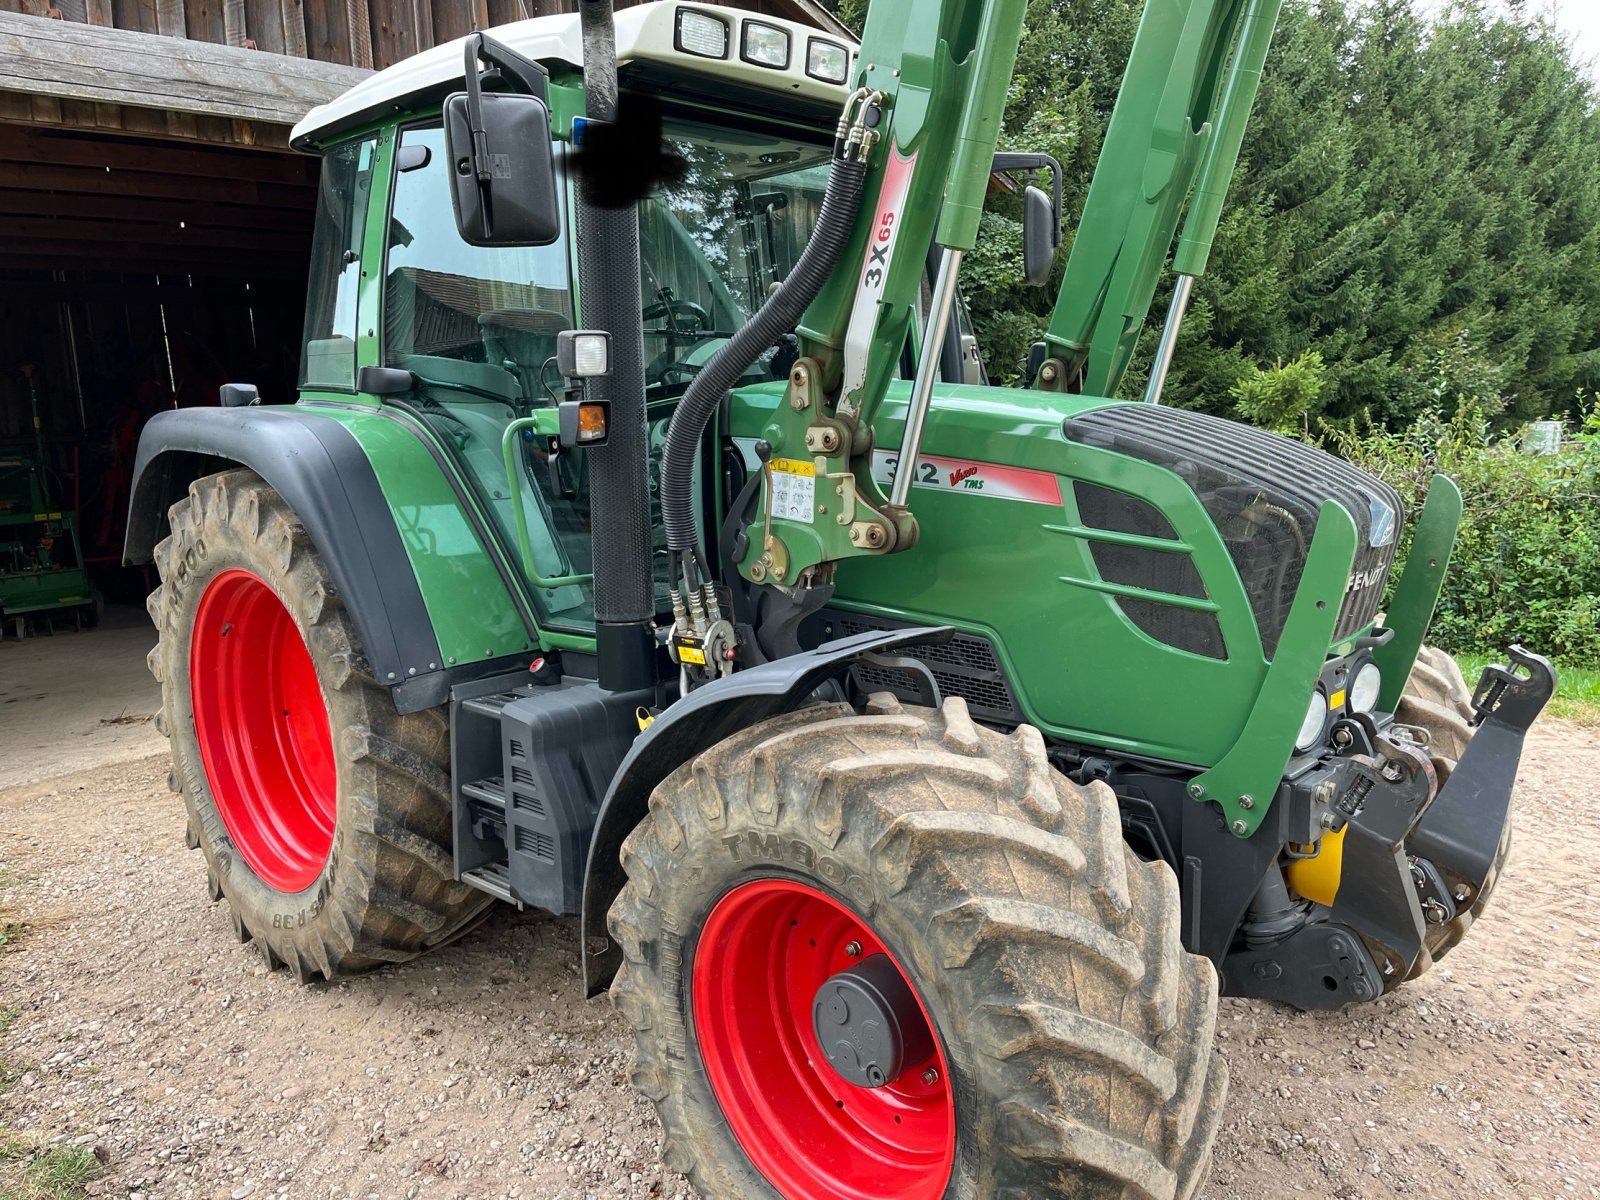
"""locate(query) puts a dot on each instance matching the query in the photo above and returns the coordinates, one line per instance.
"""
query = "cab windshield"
(713, 242)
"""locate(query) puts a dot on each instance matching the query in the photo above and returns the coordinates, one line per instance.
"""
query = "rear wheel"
(1437, 699)
(894, 953)
(323, 814)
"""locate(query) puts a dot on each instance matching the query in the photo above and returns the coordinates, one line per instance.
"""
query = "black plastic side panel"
(706, 717)
(560, 748)
(319, 468)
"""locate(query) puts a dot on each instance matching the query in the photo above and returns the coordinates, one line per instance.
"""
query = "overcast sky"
(1581, 18)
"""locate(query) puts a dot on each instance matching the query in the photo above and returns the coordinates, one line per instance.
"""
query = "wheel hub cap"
(868, 1023)
(263, 731)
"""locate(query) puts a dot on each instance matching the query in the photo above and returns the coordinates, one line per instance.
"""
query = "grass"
(1577, 696)
(60, 1173)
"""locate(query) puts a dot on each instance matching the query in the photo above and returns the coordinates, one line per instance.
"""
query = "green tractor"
(922, 758)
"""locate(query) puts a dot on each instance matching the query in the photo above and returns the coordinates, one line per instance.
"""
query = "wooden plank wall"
(360, 33)
(79, 200)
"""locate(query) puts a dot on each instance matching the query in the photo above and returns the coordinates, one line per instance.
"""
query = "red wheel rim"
(263, 730)
(767, 947)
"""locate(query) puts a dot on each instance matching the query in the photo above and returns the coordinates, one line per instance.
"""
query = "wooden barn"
(154, 226)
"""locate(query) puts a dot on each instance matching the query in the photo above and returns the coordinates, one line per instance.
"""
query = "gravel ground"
(142, 1030)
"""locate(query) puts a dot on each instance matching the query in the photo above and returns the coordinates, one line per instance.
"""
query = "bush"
(1527, 560)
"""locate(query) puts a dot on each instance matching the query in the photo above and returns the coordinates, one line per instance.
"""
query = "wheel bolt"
(853, 949)
(931, 1075)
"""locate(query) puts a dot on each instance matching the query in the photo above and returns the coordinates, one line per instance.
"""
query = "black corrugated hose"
(777, 316)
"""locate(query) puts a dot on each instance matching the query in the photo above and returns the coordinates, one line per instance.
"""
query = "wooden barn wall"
(361, 33)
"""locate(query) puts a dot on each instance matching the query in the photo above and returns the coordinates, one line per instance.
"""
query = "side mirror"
(1040, 236)
(502, 166)
(1041, 214)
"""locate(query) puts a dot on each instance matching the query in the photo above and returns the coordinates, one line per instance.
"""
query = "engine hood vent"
(1263, 492)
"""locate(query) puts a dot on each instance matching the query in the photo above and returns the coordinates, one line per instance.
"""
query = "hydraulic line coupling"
(857, 132)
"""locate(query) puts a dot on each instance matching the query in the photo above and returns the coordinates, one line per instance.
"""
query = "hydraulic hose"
(776, 317)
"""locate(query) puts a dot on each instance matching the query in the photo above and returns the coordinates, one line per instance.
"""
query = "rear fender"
(692, 725)
(321, 471)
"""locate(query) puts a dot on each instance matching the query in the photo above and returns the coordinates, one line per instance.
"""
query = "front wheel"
(895, 954)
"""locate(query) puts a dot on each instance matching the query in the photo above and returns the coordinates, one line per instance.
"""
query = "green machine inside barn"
(42, 574)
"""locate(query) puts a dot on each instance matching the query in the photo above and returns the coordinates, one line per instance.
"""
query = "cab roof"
(647, 42)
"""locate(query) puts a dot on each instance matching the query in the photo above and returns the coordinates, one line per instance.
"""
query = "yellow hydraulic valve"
(1317, 878)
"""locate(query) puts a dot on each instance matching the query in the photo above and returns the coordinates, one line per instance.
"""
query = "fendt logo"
(1360, 581)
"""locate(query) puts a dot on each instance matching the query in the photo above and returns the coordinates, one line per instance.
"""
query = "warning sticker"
(794, 489)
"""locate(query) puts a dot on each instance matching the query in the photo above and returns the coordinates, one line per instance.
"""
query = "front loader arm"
(936, 71)
(1176, 130)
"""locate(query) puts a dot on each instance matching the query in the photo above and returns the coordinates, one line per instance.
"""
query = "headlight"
(701, 33)
(765, 45)
(827, 61)
(1316, 722)
(1364, 688)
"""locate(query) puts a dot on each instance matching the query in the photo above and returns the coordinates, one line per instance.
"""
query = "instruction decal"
(794, 489)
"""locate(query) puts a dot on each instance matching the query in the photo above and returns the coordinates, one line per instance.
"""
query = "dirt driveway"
(132, 1023)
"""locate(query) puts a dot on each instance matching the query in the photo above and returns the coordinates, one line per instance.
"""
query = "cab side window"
(476, 327)
(328, 359)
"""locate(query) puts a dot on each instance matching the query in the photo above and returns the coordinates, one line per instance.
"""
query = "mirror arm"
(1008, 160)
(524, 74)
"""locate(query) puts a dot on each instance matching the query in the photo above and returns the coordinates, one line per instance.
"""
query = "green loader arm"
(1176, 130)
(936, 73)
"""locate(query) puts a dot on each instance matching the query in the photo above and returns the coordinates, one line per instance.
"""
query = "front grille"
(1263, 492)
(965, 666)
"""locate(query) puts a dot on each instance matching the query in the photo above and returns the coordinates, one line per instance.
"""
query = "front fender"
(692, 725)
(321, 471)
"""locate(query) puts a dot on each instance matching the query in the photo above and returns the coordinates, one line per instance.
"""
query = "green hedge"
(1527, 562)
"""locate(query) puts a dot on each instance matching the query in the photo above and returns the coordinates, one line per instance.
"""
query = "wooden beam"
(57, 59)
(98, 12)
(20, 143)
(92, 181)
(145, 264)
(29, 233)
(20, 202)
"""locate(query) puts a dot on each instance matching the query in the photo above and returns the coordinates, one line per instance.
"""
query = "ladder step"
(494, 880)
(491, 790)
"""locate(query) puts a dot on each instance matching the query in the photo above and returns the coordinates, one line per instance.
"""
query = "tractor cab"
(466, 335)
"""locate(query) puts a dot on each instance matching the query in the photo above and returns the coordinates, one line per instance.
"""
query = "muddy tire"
(1437, 698)
(1072, 1034)
(323, 815)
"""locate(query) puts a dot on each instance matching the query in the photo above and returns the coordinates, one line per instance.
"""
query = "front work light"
(583, 353)
(1364, 688)
(827, 61)
(701, 33)
(765, 45)
(1316, 722)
